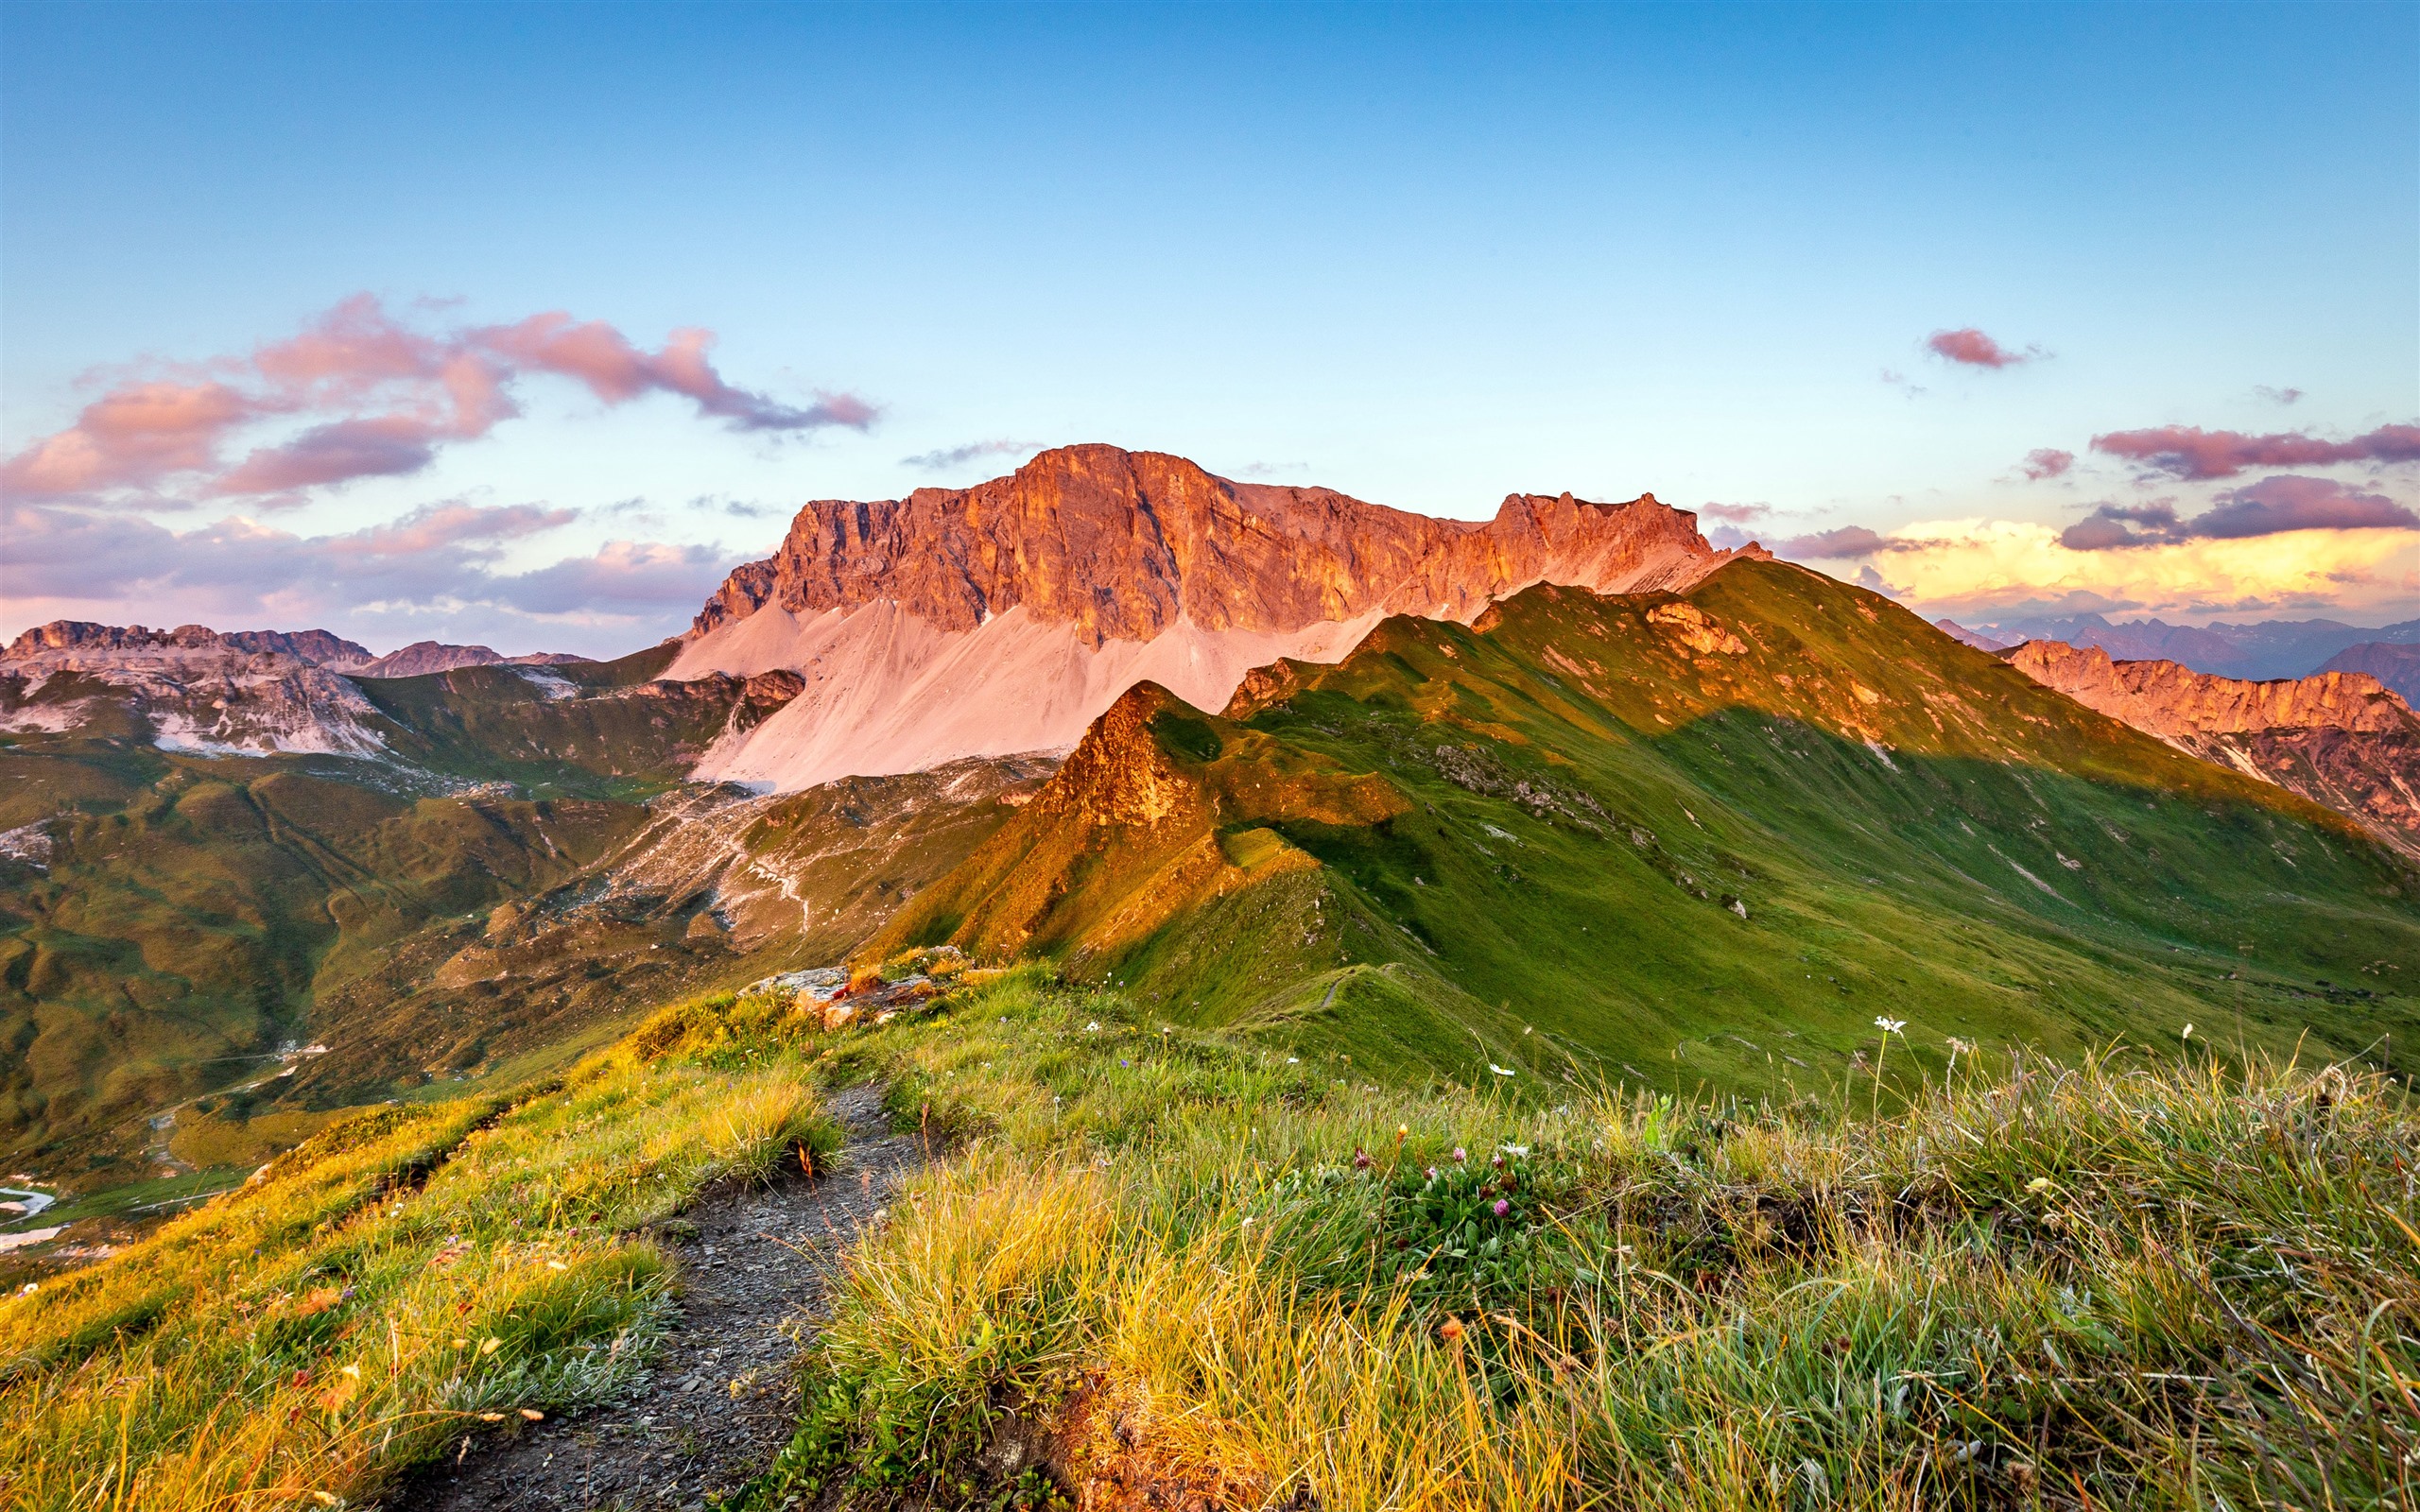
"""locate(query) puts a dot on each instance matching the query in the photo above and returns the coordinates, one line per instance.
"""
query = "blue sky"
(1427, 255)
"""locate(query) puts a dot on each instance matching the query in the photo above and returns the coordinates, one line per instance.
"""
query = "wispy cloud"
(435, 560)
(1970, 347)
(1841, 544)
(2272, 507)
(2046, 462)
(377, 397)
(1737, 514)
(2191, 453)
(942, 459)
(2277, 396)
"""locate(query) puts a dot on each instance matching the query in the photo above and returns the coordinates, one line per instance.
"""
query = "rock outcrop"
(189, 689)
(2394, 663)
(2175, 702)
(1007, 616)
(2340, 738)
(422, 658)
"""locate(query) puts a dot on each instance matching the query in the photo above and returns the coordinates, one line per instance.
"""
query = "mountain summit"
(1007, 616)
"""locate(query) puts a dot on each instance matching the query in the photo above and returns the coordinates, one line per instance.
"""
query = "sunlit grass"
(2119, 1284)
(1171, 1264)
(400, 1280)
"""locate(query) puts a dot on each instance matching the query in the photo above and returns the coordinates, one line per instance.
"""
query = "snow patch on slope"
(207, 699)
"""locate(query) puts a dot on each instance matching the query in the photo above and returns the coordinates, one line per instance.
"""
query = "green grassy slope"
(1531, 844)
(191, 909)
(176, 916)
(712, 894)
(621, 735)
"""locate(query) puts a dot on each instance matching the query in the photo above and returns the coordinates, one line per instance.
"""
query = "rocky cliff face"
(2396, 665)
(1122, 545)
(319, 647)
(1963, 636)
(257, 693)
(189, 689)
(1006, 617)
(90, 642)
(2339, 738)
(2173, 702)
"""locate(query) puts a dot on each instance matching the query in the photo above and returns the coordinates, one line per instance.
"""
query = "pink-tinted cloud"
(130, 435)
(616, 371)
(2271, 506)
(1973, 349)
(382, 446)
(1737, 514)
(439, 526)
(623, 576)
(2191, 453)
(436, 559)
(383, 398)
(1847, 542)
(2046, 462)
(2287, 501)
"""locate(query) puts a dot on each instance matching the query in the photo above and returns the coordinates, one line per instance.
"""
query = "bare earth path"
(721, 1401)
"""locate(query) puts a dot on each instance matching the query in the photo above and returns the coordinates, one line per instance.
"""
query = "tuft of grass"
(402, 1280)
(1164, 1260)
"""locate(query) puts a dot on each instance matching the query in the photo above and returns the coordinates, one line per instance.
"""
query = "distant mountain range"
(318, 648)
(2264, 649)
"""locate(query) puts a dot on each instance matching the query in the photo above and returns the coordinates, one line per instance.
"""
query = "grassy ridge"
(1168, 1265)
(395, 1282)
(1693, 841)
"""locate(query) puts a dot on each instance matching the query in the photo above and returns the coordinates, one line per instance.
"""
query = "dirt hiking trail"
(720, 1401)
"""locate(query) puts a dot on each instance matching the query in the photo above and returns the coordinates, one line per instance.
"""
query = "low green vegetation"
(1166, 1264)
(193, 910)
(1732, 1051)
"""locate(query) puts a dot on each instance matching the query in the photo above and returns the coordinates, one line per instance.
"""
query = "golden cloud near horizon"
(1981, 567)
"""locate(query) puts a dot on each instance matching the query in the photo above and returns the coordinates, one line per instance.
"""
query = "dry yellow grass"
(399, 1281)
